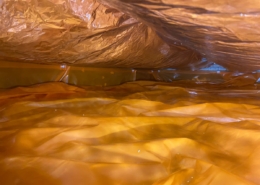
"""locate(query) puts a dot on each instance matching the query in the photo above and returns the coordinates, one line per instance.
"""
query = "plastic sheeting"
(30, 74)
(203, 129)
(83, 32)
(224, 31)
(136, 133)
(140, 33)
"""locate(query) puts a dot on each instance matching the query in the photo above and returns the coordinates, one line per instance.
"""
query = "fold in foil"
(124, 33)
(140, 133)
(83, 32)
(223, 31)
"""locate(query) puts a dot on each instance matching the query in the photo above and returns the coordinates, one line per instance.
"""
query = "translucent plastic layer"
(126, 33)
(223, 31)
(13, 74)
(83, 32)
(138, 133)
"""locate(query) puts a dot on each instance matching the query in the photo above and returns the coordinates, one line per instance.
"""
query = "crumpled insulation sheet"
(137, 133)
(223, 31)
(199, 130)
(127, 33)
(83, 32)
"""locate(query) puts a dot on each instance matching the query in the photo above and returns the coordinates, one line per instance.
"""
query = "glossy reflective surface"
(136, 133)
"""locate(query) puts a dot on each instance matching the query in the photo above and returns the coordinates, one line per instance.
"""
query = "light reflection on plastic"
(63, 66)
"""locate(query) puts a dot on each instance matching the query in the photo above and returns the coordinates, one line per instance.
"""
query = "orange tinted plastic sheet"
(223, 31)
(136, 133)
(83, 33)
(26, 74)
(127, 33)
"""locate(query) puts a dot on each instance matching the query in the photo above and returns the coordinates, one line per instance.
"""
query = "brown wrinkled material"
(139, 133)
(202, 128)
(83, 32)
(224, 31)
(25, 74)
(140, 33)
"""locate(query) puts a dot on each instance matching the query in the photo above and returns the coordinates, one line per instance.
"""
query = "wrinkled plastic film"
(225, 32)
(83, 33)
(136, 133)
(140, 34)
(25, 74)
(30, 74)
(92, 117)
